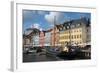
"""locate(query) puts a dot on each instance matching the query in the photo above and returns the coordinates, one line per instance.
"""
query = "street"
(38, 57)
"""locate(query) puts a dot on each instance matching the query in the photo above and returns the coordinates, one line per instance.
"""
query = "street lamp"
(54, 29)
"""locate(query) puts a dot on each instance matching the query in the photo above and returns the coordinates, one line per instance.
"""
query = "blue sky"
(45, 19)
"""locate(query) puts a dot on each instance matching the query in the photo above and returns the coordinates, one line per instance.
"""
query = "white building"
(36, 40)
(47, 38)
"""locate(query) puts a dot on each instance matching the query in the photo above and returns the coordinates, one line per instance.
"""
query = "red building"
(55, 37)
(42, 38)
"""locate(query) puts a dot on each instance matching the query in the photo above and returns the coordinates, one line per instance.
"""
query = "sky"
(45, 20)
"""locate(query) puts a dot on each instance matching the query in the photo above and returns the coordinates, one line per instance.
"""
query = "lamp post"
(54, 29)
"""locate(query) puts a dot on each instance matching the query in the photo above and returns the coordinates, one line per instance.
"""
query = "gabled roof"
(81, 21)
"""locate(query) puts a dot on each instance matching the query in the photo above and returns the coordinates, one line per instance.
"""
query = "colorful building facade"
(47, 38)
(42, 39)
(75, 32)
(55, 37)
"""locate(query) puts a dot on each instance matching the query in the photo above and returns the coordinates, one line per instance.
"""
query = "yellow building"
(75, 32)
(64, 37)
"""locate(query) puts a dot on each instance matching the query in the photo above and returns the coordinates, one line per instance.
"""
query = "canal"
(38, 57)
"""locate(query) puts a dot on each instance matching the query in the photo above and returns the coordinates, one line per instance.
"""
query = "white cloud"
(57, 16)
(36, 25)
(41, 29)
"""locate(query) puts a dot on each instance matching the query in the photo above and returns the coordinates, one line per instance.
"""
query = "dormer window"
(67, 26)
(73, 26)
(78, 24)
(64, 28)
(60, 29)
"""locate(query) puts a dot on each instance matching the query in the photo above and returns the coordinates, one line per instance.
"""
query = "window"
(73, 26)
(60, 29)
(80, 36)
(64, 28)
(67, 26)
(80, 30)
(74, 30)
(69, 37)
(77, 36)
(66, 32)
(61, 37)
(78, 24)
(65, 37)
(71, 31)
(72, 36)
(77, 30)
